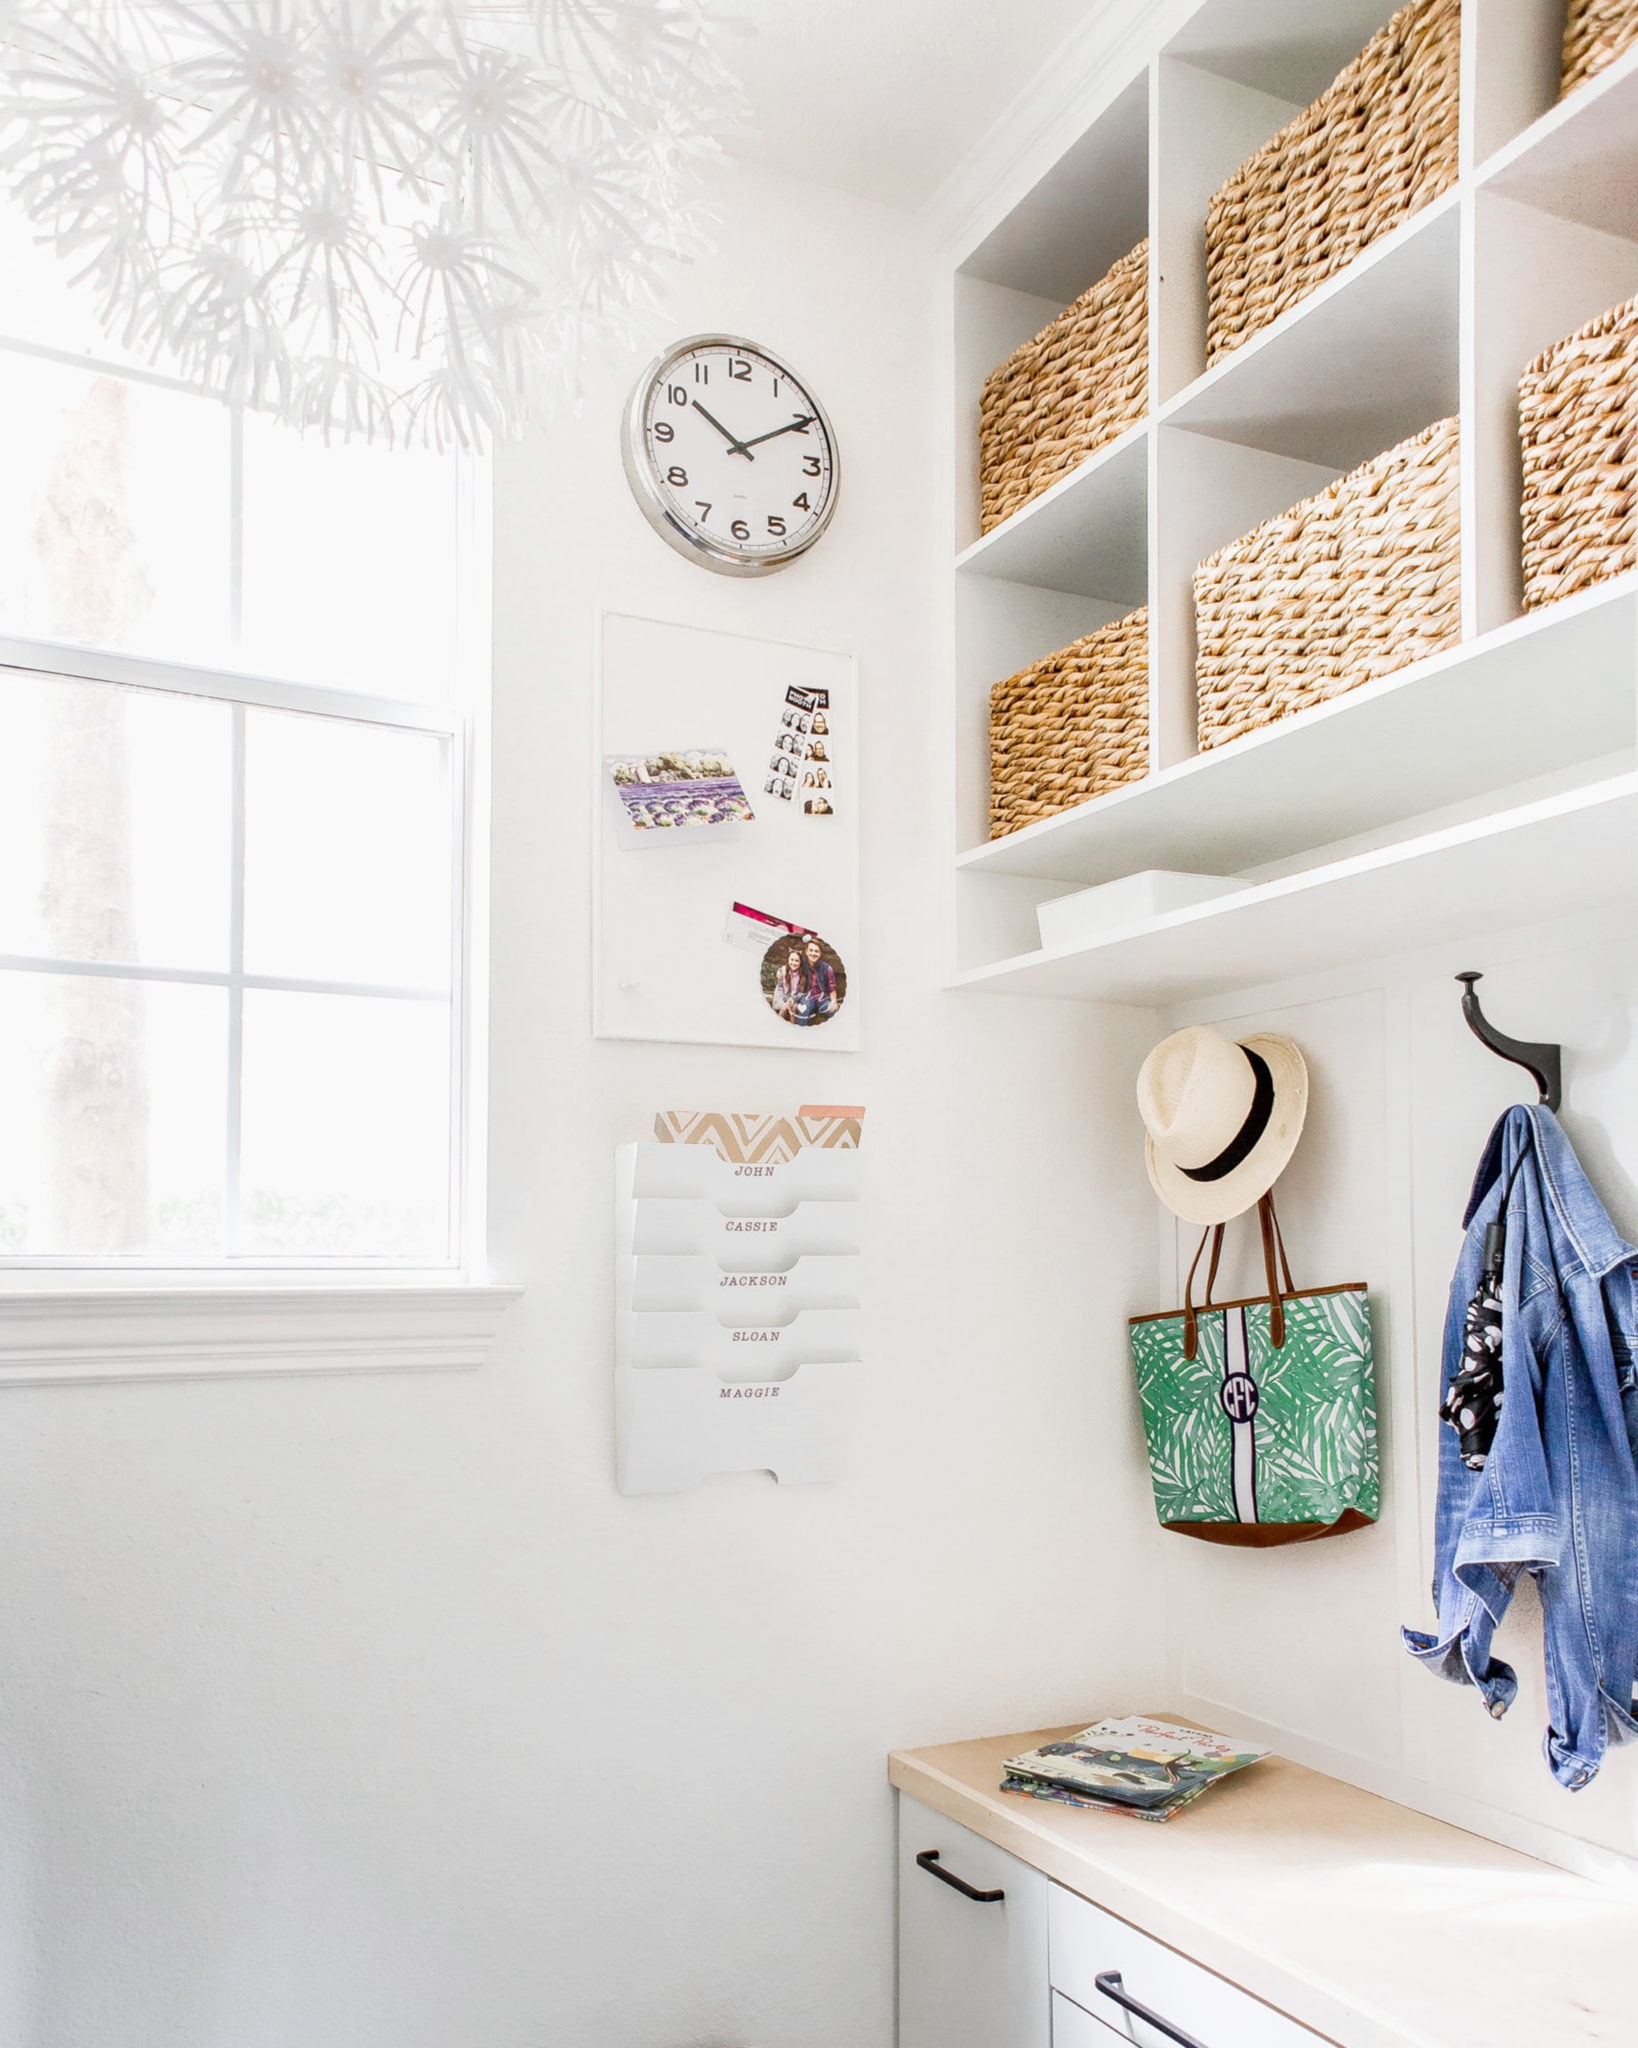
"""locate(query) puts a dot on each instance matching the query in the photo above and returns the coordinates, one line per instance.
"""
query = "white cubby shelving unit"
(1498, 776)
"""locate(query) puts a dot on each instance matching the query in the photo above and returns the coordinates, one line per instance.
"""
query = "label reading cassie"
(754, 1223)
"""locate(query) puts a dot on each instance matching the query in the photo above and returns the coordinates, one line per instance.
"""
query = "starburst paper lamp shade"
(409, 223)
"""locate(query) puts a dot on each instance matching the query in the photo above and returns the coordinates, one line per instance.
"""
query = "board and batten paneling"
(1303, 1644)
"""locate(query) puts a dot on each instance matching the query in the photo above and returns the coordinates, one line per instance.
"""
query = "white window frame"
(72, 1318)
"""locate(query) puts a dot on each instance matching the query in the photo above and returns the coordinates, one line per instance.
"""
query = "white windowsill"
(102, 1334)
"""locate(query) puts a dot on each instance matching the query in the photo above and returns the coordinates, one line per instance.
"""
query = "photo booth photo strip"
(680, 797)
(800, 765)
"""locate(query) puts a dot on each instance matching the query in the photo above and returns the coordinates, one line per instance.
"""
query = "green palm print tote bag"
(1260, 1414)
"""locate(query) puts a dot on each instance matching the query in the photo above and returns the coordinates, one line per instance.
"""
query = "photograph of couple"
(803, 980)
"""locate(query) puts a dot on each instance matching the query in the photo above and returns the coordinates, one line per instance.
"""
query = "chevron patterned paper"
(767, 1139)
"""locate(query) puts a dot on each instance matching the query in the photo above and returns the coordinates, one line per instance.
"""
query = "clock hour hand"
(804, 419)
(734, 447)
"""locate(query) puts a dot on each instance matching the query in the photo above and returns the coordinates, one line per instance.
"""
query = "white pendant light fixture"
(402, 222)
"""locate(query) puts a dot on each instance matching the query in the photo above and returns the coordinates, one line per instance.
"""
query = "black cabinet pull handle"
(928, 1861)
(1109, 1983)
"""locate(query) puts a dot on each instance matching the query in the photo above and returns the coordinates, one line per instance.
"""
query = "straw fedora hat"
(1223, 1118)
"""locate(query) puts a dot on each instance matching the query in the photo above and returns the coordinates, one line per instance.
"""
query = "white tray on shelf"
(669, 1282)
(743, 1244)
(673, 1429)
(680, 1339)
(695, 1172)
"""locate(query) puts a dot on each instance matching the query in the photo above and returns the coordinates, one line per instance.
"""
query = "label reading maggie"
(749, 1393)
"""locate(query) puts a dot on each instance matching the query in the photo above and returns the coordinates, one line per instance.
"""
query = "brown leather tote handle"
(1276, 1266)
(1191, 1320)
(1274, 1262)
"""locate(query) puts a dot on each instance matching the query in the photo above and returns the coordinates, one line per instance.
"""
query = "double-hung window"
(239, 672)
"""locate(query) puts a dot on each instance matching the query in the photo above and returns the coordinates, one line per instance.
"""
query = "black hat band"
(1239, 1148)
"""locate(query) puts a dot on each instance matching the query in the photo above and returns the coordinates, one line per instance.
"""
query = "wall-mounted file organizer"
(695, 1173)
(736, 1294)
(738, 1327)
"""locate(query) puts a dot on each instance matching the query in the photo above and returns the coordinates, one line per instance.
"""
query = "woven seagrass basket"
(1377, 144)
(1080, 382)
(1595, 34)
(1355, 582)
(1071, 726)
(1578, 414)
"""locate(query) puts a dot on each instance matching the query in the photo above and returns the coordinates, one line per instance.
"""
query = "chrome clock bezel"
(646, 488)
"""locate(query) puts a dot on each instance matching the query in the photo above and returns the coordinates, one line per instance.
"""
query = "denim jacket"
(1559, 1494)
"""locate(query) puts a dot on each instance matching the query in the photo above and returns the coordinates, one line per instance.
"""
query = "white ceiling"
(885, 97)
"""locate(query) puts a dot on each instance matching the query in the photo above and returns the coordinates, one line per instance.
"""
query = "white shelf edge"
(104, 1335)
(990, 855)
(1019, 522)
(1594, 796)
(1387, 246)
(1561, 115)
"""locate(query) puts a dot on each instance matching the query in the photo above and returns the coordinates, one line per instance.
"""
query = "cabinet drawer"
(1084, 1942)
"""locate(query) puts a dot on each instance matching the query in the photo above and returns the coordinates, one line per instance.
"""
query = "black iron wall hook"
(1544, 1063)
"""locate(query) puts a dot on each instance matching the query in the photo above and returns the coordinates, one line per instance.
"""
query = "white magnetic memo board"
(662, 966)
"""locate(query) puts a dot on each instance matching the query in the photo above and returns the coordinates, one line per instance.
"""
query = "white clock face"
(731, 458)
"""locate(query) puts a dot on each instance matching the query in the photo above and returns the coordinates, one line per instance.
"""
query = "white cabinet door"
(972, 1972)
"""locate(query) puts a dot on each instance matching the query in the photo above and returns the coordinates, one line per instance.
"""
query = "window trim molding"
(102, 1335)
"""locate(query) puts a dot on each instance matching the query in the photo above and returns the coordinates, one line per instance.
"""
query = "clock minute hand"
(805, 419)
(734, 447)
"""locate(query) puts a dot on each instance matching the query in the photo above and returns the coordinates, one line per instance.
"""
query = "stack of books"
(1148, 1769)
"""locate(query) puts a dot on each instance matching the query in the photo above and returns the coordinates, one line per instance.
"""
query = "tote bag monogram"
(1260, 1414)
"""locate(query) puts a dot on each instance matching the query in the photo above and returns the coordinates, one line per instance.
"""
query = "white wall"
(1304, 1643)
(364, 1713)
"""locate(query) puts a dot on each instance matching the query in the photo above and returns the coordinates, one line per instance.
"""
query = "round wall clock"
(730, 455)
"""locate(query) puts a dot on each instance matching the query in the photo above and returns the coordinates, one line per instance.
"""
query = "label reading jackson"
(752, 1279)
